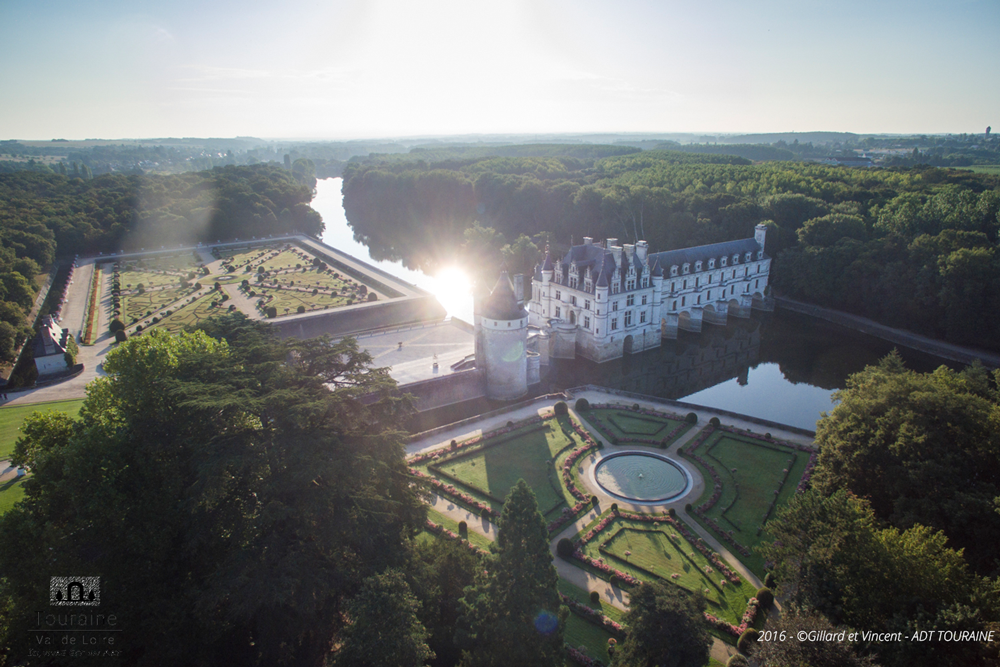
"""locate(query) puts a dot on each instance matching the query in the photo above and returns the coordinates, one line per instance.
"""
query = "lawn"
(581, 633)
(751, 471)
(659, 552)
(10, 492)
(475, 538)
(623, 425)
(12, 417)
(528, 455)
(191, 313)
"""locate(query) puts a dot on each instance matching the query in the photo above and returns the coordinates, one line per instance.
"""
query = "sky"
(388, 68)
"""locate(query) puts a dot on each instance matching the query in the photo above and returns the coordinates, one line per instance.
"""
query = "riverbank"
(965, 355)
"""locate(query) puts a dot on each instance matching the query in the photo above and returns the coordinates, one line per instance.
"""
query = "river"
(779, 366)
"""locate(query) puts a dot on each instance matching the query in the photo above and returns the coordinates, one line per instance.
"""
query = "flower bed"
(432, 527)
(594, 616)
(92, 310)
(451, 492)
(736, 630)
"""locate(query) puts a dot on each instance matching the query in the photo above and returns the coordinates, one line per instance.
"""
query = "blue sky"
(347, 69)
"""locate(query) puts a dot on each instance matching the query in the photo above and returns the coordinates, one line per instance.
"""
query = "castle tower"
(759, 233)
(504, 326)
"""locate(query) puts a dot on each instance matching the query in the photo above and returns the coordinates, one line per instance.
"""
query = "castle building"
(501, 331)
(605, 300)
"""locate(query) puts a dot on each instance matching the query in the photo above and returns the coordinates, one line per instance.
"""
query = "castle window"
(760, 254)
(674, 307)
(558, 295)
(736, 259)
(644, 297)
(746, 271)
(508, 325)
(558, 312)
(630, 284)
(572, 300)
(673, 270)
(614, 323)
(685, 285)
(711, 263)
(574, 282)
(673, 287)
(586, 322)
(699, 298)
(586, 304)
(697, 266)
(642, 316)
(645, 280)
(709, 295)
(683, 301)
(756, 283)
(628, 318)
(630, 300)
(697, 281)
(723, 261)
(747, 257)
(687, 268)
(614, 306)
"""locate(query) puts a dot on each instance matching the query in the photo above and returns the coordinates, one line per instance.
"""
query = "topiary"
(271, 311)
(595, 597)
(485, 513)
(463, 529)
(120, 336)
(582, 405)
(746, 641)
(691, 418)
(613, 580)
(561, 409)
(714, 421)
(454, 444)
(614, 507)
(687, 507)
(594, 501)
(672, 512)
(300, 309)
(737, 660)
(372, 296)
(765, 597)
(116, 325)
(769, 580)
(565, 548)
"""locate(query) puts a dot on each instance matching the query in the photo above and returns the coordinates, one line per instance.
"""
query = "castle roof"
(502, 303)
(51, 340)
(703, 253)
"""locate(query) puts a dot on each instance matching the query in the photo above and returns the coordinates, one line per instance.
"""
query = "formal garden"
(621, 425)
(747, 477)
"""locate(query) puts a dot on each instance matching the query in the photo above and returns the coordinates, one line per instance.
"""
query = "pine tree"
(513, 614)
(665, 628)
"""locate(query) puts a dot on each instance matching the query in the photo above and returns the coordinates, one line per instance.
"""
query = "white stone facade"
(603, 300)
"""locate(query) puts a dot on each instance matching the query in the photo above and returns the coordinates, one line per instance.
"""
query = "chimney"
(616, 250)
(641, 248)
(519, 289)
(588, 240)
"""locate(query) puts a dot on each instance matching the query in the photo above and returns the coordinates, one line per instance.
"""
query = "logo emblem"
(75, 591)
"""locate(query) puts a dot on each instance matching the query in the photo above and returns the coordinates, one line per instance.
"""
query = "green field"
(12, 417)
(529, 456)
(10, 492)
(583, 633)
(751, 471)
(658, 552)
(625, 424)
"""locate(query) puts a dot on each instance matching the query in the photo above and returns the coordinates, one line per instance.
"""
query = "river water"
(780, 366)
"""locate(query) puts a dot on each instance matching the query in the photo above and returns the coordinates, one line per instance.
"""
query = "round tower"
(504, 330)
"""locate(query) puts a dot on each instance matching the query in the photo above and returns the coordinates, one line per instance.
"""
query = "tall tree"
(513, 615)
(231, 498)
(665, 629)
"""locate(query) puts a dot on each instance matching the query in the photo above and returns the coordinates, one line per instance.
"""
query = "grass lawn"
(658, 553)
(10, 492)
(480, 541)
(624, 424)
(756, 470)
(581, 633)
(191, 313)
(13, 416)
(529, 456)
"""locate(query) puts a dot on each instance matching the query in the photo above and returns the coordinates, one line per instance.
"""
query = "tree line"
(912, 248)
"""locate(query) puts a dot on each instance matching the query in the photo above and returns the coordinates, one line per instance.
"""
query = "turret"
(759, 232)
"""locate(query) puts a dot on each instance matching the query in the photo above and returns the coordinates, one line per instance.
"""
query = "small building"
(49, 347)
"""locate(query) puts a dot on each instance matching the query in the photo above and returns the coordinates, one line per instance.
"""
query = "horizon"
(352, 70)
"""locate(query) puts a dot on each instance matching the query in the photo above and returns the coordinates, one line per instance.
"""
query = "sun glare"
(453, 290)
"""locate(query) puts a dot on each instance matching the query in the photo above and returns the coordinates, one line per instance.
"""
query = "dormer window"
(747, 258)
(673, 270)
(697, 266)
(736, 259)
(711, 263)
(687, 268)
(760, 254)
(723, 261)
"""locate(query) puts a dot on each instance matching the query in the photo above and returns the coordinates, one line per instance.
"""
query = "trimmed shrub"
(691, 418)
(582, 405)
(561, 409)
(614, 580)
(463, 529)
(614, 507)
(271, 311)
(372, 296)
(594, 501)
(672, 512)
(769, 580)
(116, 325)
(635, 406)
(138, 328)
(765, 597)
(565, 548)
(687, 507)
(746, 641)
(485, 513)
(737, 660)
(714, 421)
(595, 597)
(300, 309)
(120, 336)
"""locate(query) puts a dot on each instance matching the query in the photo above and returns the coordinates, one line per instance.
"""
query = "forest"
(911, 247)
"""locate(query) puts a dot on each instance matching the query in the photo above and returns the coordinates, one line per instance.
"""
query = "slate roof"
(703, 253)
(51, 340)
(502, 304)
